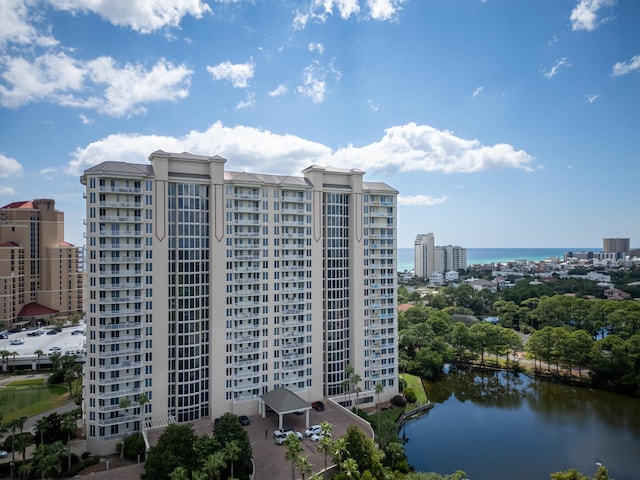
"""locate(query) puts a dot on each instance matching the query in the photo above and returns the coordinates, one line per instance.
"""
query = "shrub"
(410, 395)
(399, 401)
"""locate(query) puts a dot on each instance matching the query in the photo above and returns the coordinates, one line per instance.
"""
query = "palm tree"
(294, 449)
(5, 354)
(69, 377)
(326, 443)
(350, 468)
(14, 355)
(143, 399)
(394, 450)
(356, 379)
(304, 465)
(69, 426)
(39, 353)
(348, 371)
(41, 426)
(15, 424)
(379, 390)
(232, 453)
(214, 464)
(125, 403)
(179, 473)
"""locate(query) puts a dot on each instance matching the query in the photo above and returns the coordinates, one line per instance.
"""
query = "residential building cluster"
(207, 289)
(41, 275)
(437, 264)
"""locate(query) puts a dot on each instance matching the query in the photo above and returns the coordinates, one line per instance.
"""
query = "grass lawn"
(415, 383)
(28, 397)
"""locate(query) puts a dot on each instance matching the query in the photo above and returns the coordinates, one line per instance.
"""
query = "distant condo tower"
(616, 245)
(207, 289)
(40, 274)
(424, 255)
(431, 259)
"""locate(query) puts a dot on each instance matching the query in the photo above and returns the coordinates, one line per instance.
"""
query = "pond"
(501, 426)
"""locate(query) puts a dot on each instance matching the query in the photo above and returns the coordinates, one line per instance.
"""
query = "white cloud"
(316, 47)
(6, 191)
(97, 84)
(85, 120)
(404, 148)
(384, 9)
(584, 15)
(320, 10)
(18, 24)
(47, 171)
(237, 73)
(279, 90)
(421, 200)
(249, 102)
(372, 106)
(247, 148)
(561, 62)
(622, 68)
(144, 16)
(9, 167)
(412, 148)
(592, 97)
(314, 81)
(476, 92)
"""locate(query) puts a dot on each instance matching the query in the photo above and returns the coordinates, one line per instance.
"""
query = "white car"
(312, 430)
(316, 437)
(16, 341)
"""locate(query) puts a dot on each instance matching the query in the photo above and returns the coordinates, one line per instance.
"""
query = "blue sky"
(502, 123)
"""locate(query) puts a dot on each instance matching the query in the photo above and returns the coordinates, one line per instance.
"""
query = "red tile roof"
(34, 309)
(25, 204)
(9, 244)
(65, 244)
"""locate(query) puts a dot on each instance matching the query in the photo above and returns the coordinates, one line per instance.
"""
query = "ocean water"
(482, 256)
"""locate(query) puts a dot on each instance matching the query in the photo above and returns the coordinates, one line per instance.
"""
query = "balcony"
(119, 366)
(112, 300)
(119, 326)
(120, 233)
(136, 259)
(121, 218)
(122, 339)
(120, 313)
(246, 327)
(246, 339)
(120, 393)
(120, 204)
(117, 189)
(121, 286)
(121, 352)
(120, 246)
(245, 196)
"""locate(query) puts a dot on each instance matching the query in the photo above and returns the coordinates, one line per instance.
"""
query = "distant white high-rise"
(439, 259)
(424, 255)
(208, 288)
(450, 258)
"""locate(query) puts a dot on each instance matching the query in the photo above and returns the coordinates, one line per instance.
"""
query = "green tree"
(355, 380)
(174, 448)
(38, 353)
(143, 399)
(326, 444)
(378, 389)
(294, 450)
(232, 453)
(571, 474)
(69, 427)
(214, 464)
(303, 465)
(362, 450)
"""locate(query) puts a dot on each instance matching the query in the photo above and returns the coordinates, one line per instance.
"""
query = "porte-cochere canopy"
(283, 401)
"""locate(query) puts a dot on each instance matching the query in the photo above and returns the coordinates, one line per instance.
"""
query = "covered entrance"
(283, 401)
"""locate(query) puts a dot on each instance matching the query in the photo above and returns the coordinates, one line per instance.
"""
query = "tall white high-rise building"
(424, 255)
(450, 258)
(208, 288)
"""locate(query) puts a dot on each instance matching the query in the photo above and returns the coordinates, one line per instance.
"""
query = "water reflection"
(501, 425)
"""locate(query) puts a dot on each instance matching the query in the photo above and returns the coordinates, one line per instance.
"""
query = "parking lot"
(70, 340)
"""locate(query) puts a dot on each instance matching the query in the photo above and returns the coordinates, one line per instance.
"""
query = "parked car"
(35, 333)
(318, 406)
(55, 349)
(3, 336)
(52, 332)
(77, 332)
(313, 429)
(3, 453)
(244, 420)
(16, 341)
(282, 436)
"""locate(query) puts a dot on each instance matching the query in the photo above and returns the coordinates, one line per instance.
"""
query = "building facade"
(208, 288)
(40, 273)
(424, 255)
(616, 245)
(450, 258)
